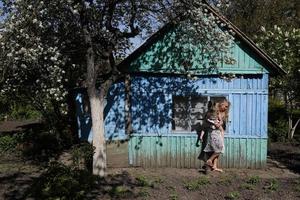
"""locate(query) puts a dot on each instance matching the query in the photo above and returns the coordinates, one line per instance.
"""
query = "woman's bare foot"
(217, 170)
(209, 163)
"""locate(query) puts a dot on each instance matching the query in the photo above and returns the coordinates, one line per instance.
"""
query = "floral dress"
(215, 141)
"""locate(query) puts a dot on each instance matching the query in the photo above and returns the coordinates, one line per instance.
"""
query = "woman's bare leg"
(211, 159)
(215, 165)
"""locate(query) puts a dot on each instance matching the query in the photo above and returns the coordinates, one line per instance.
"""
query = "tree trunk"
(290, 126)
(294, 128)
(97, 108)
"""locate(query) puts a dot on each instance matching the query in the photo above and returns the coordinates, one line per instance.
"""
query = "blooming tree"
(283, 45)
(47, 46)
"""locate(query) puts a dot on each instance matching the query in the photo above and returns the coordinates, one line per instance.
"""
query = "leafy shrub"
(120, 192)
(225, 180)
(278, 121)
(7, 143)
(15, 110)
(143, 181)
(62, 182)
(272, 185)
(233, 195)
(82, 156)
(196, 184)
(253, 180)
(40, 145)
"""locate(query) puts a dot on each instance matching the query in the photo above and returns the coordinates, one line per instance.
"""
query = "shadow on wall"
(113, 114)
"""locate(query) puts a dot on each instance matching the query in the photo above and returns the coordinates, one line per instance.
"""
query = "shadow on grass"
(62, 182)
(16, 184)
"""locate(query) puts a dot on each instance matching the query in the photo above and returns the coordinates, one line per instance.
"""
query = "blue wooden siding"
(152, 102)
(113, 113)
(165, 56)
(180, 152)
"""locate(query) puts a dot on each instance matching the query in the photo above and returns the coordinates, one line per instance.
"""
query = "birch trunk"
(97, 108)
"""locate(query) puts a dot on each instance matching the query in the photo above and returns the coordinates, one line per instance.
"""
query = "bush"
(15, 110)
(62, 182)
(7, 143)
(278, 130)
(277, 121)
(82, 156)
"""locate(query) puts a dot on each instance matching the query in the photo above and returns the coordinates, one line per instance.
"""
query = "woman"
(213, 140)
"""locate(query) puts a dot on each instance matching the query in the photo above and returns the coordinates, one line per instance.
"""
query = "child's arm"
(199, 138)
(222, 130)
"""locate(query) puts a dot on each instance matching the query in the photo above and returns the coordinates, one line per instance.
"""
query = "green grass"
(119, 192)
(144, 193)
(254, 180)
(297, 185)
(173, 196)
(272, 185)
(225, 180)
(247, 186)
(144, 181)
(233, 195)
(17, 167)
(196, 184)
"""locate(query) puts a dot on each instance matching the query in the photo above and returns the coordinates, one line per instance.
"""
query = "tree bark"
(96, 98)
(294, 128)
(97, 108)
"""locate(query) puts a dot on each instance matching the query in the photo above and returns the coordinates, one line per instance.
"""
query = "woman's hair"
(219, 102)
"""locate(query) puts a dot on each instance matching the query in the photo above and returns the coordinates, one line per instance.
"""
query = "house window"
(189, 112)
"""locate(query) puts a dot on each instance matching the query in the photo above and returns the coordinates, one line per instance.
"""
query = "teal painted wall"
(179, 151)
(165, 56)
(152, 101)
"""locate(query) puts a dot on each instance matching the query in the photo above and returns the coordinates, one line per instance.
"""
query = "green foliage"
(277, 122)
(247, 186)
(297, 185)
(173, 196)
(225, 180)
(272, 185)
(196, 184)
(82, 155)
(144, 193)
(249, 16)
(120, 192)
(11, 109)
(253, 180)
(282, 44)
(144, 181)
(8, 143)
(251, 183)
(61, 182)
(41, 143)
(233, 195)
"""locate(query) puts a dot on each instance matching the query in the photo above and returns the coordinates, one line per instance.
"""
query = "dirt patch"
(279, 180)
(286, 154)
(16, 177)
(170, 183)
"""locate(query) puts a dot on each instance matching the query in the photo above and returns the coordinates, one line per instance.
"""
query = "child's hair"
(213, 109)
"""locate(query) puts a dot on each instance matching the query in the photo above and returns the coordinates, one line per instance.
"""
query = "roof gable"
(160, 54)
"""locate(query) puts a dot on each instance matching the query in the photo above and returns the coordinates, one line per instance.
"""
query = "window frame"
(189, 110)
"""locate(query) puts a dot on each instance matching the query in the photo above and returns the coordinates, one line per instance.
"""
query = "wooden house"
(162, 105)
